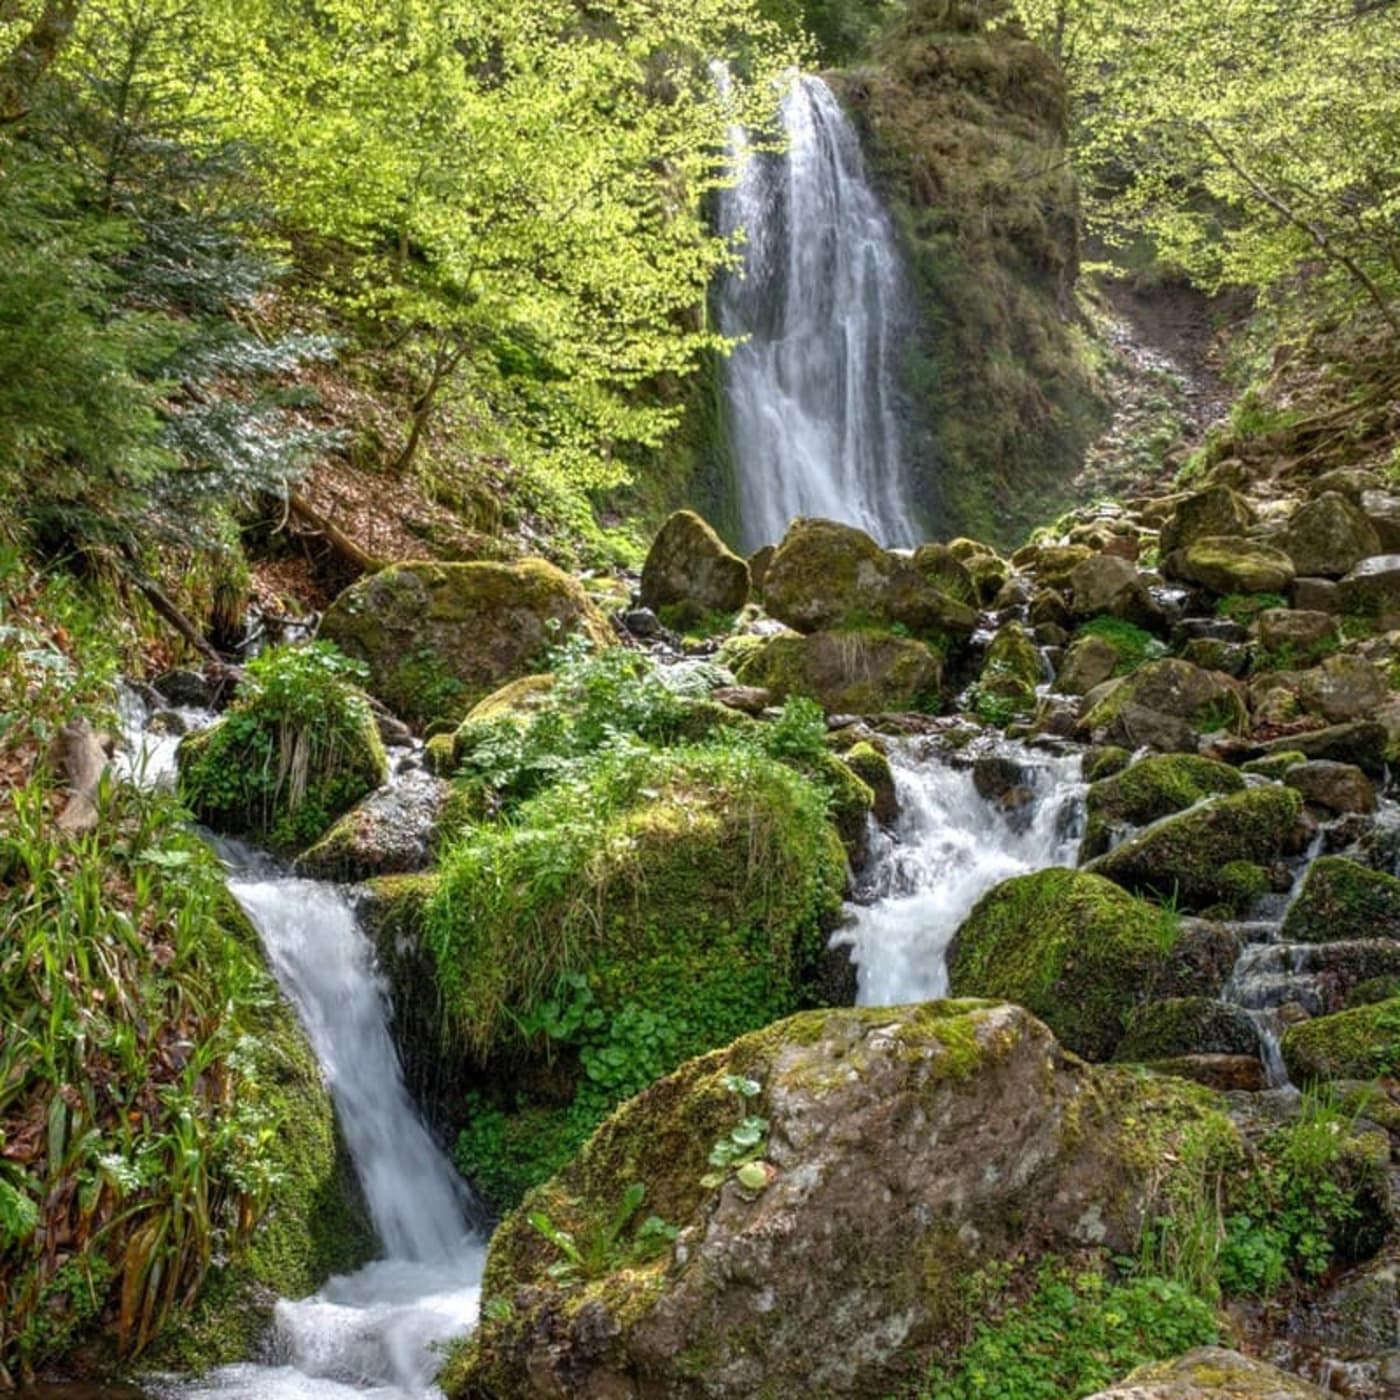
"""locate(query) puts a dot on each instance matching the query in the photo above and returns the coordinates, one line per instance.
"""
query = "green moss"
(1343, 900)
(859, 672)
(1135, 646)
(1012, 667)
(1183, 856)
(1163, 1030)
(1150, 789)
(1359, 1044)
(1273, 766)
(1104, 762)
(1071, 947)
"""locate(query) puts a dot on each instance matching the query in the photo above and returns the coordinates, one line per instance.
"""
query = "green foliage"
(1245, 607)
(740, 1151)
(1078, 1332)
(296, 748)
(1134, 645)
(601, 1250)
(1287, 1221)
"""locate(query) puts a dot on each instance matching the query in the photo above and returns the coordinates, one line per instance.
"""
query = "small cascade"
(812, 404)
(950, 846)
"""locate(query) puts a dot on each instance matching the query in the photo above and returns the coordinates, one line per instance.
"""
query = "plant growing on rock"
(739, 1153)
(601, 1249)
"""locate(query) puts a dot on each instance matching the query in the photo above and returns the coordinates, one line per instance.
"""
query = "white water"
(812, 410)
(951, 846)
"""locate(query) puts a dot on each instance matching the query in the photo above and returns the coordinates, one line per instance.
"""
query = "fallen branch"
(345, 548)
(162, 604)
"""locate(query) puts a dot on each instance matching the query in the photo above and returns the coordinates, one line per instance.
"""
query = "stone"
(1048, 608)
(1188, 856)
(1357, 1044)
(1340, 900)
(1226, 1074)
(1071, 947)
(1337, 787)
(1343, 688)
(187, 689)
(1232, 564)
(1012, 667)
(1351, 482)
(758, 562)
(1299, 632)
(937, 1139)
(1372, 588)
(1328, 536)
(846, 672)
(1211, 1373)
(1215, 511)
(1363, 743)
(439, 637)
(1229, 658)
(1103, 584)
(943, 570)
(642, 623)
(747, 699)
(1383, 511)
(1090, 661)
(689, 572)
(826, 576)
(1316, 595)
(391, 832)
(1162, 1030)
(1212, 629)
(1165, 704)
(1152, 788)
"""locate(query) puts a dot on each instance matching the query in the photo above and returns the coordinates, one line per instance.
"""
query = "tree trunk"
(34, 56)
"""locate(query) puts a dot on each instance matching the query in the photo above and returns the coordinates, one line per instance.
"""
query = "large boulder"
(1072, 947)
(1104, 583)
(392, 832)
(895, 1154)
(1328, 536)
(1341, 900)
(1150, 789)
(1194, 856)
(689, 572)
(1192, 699)
(827, 576)
(853, 672)
(1178, 1026)
(1343, 688)
(1372, 588)
(1363, 1043)
(1362, 743)
(439, 637)
(1211, 1373)
(1231, 564)
(1089, 662)
(1012, 667)
(1335, 787)
(1215, 511)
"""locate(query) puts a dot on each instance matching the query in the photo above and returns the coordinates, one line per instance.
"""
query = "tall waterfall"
(813, 423)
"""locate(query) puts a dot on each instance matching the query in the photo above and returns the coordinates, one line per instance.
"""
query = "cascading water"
(374, 1331)
(950, 846)
(812, 405)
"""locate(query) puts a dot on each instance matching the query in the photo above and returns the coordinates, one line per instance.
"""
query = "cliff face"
(963, 120)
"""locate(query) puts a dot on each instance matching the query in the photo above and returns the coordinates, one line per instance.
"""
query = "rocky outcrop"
(439, 637)
(689, 572)
(890, 1155)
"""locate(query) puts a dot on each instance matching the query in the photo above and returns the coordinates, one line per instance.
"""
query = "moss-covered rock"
(1342, 689)
(828, 576)
(1334, 787)
(873, 768)
(1072, 947)
(1162, 1030)
(690, 573)
(1104, 762)
(392, 832)
(855, 672)
(1215, 511)
(1150, 789)
(439, 637)
(1341, 900)
(1012, 667)
(1359, 1044)
(1328, 536)
(1363, 743)
(1089, 662)
(294, 751)
(987, 1142)
(1273, 766)
(1228, 564)
(1185, 856)
(1211, 1373)
(943, 570)
(1172, 688)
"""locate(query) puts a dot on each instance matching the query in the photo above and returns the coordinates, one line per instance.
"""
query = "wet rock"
(1090, 661)
(1328, 536)
(1215, 511)
(1211, 1373)
(1176, 1026)
(938, 1139)
(1232, 564)
(1363, 743)
(187, 689)
(847, 672)
(1191, 854)
(1356, 1044)
(1338, 787)
(690, 572)
(642, 622)
(392, 832)
(873, 769)
(439, 637)
(1339, 900)
(1012, 667)
(1373, 588)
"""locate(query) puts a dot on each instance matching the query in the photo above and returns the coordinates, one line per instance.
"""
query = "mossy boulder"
(690, 573)
(1163, 704)
(1363, 1043)
(1074, 948)
(1107, 585)
(1152, 788)
(439, 637)
(1363, 743)
(1177, 1026)
(1215, 511)
(1328, 536)
(1342, 689)
(279, 773)
(873, 768)
(1188, 856)
(1228, 564)
(1211, 1373)
(940, 568)
(1012, 667)
(1334, 787)
(901, 1152)
(392, 832)
(855, 672)
(827, 576)
(1090, 661)
(1341, 900)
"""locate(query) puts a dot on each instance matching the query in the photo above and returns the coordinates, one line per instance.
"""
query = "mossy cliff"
(963, 120)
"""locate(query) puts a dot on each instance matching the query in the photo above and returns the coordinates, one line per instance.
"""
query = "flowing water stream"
(811, 394)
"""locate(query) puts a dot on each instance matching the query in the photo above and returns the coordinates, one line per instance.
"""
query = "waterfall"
(810, 391)
(949, 847)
